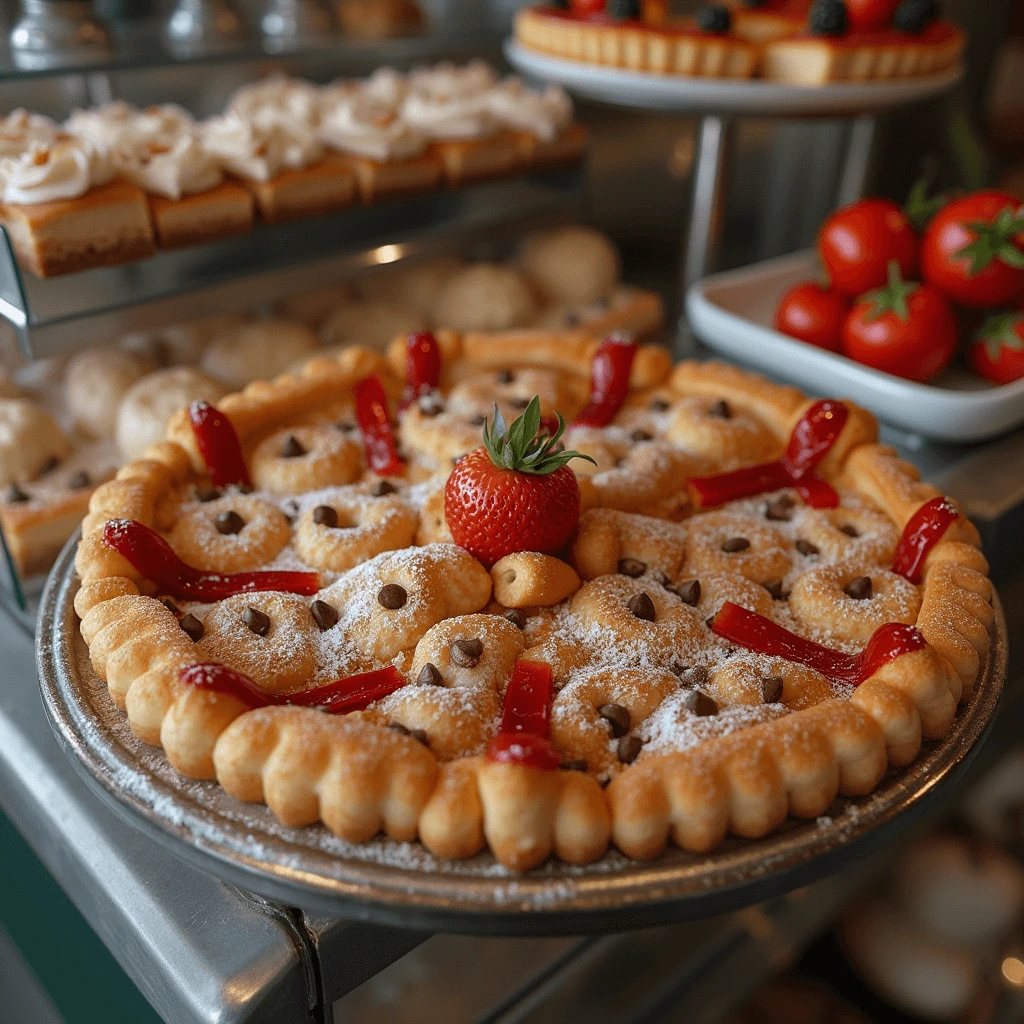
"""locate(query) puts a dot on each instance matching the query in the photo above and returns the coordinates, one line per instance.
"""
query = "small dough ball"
(97, 379)
(185, 343)
(259, 350)
(572, 266)
(313, 308)
(485, 297)
(143, 414)
(413, 288)
(372, 324)
(29, 440)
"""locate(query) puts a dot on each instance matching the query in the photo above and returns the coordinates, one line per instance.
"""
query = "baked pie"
(397, 593)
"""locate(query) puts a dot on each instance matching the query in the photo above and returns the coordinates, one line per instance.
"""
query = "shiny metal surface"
(199, 950)
(54, 34)
(401, 884)
(295, 24)
(197, 27)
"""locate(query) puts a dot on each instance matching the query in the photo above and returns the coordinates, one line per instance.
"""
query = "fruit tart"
(761, 21)
(865, 40)
(535, 592)
(638, 37)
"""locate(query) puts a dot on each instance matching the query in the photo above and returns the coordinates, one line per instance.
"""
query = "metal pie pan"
(401, 884)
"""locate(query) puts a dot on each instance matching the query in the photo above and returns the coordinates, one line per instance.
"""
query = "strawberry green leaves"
(522, 447)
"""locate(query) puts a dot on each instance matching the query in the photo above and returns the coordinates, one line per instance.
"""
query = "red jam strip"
(609, 382)
(925, 529)
(422, 367)
(149, 554)
(761, 635)
(523, 738)
(378, 440)
(218, 444)
(353, 693)
(811, 440)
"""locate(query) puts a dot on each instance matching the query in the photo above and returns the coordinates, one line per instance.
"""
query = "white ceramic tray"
(693, 95)
(733, 312)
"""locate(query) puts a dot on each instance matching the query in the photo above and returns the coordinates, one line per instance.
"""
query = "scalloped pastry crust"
(359, 775)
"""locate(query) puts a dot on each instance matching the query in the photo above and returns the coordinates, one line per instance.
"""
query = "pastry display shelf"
(275, 261)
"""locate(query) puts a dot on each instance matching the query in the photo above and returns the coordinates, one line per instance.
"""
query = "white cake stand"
(718, 102)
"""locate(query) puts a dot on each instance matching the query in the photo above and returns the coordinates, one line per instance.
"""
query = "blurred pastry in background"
(415, 287)
(96, 381)
(371, 323)
(314, 307)
(31, 441)
(996, 805)
(571, 266)
(485, 297)
(257, 350)
(380, 19)
(181, 344)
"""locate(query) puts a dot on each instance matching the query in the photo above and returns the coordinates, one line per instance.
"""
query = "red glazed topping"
(149, 554)
(609, 381)
(218, 444)
(353, 693)
(761, 635)
(422, 367)
(811, 440)
(378, 440)
(924, 530)
(523, 738)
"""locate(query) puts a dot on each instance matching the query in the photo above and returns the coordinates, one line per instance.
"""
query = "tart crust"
(221, 212)
(360, 777)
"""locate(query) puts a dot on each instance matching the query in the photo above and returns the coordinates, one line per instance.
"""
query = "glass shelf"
(274, 262)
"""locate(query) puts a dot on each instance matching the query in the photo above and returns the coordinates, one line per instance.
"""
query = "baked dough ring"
(580, 732)
(197, 541)
(366, 527)
(727, 442)
(740, 680)
(718, 587)
(513, 388)
(765, 559)
(606, 536)
(280, 661)
(501, 641)
(819, 603)
(331, 458)
(830, 530)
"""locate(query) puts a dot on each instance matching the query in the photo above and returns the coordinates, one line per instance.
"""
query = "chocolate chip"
(207, 492)
(642, 606)
(850, 530)
(194, 628)
(709, 621)
(629, 748)
(805, 547)
(431, 404)
(658, 405)
(229, 523)
(324, 615)
(292, 448)
(505, 376)
(49, 465)
(573, 764)
(780, 510)
(698, 703)
(392, 596)
(640, 435)
(345, 426)
(771, 689)
(721, 410)
(860, 589)
(382, 487)
(429, 676)
(632, 567)
(324, 515)
(420, 735)
(735, 544)
(244, 488)
(171, 606)
(694, 677)
(688, 591)
(79, 480)
(519, 403)
(399, 728)
(617, 717)
(478, 420)
(571, 319)
(16, 494)
(776, 590)
(467, 653)
(257, 621)
(516, 617)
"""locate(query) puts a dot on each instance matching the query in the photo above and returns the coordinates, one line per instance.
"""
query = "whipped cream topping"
(365, 119)
(65, 169)
(543, 113)
(277, 100)
(19, 129)
(259, 151)
(449, 102)
(183, 168)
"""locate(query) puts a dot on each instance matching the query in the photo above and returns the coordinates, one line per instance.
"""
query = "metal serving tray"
(401, 884)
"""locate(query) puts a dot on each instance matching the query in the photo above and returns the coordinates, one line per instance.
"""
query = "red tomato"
(858, 242)
(865, 15)
(974, 250)
(906, 328)
(584, 8)
(813, 314)
(997, 351)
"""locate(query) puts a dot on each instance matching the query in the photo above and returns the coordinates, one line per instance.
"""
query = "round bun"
(143, 414)
(180, 344)
(313, 308)
(30, 440)
(260, 350)
(485, 297)
(97, 379)
(414, 288)
(571, 266)
(370, 323)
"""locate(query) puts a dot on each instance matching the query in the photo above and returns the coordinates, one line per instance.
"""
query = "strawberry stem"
(893, 297)
(524, 447)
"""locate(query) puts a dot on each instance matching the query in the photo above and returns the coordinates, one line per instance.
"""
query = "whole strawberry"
(517, 493)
